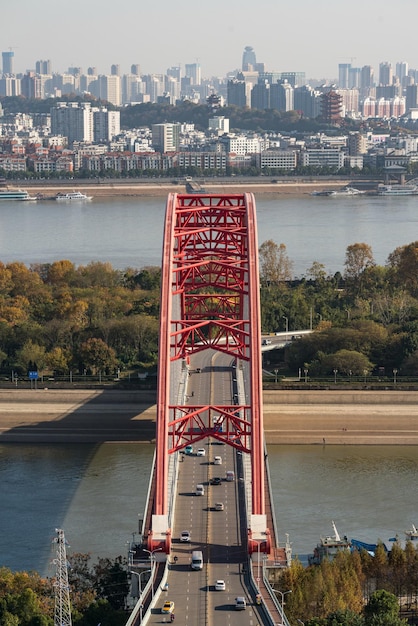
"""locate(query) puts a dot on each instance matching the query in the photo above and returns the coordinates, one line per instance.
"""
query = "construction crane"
(62, 613)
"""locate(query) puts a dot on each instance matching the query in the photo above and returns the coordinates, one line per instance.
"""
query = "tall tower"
(8, 62)
(249, 60)
(62, 613)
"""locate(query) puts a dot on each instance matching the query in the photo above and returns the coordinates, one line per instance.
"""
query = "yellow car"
(168, 607)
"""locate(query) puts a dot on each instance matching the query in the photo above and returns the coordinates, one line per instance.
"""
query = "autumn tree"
(275, 265)
(97, 355)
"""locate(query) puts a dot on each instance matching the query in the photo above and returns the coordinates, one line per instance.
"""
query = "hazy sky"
(312, 36)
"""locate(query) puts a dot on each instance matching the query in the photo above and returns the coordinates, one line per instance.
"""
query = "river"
(97, 494)
(128, 231)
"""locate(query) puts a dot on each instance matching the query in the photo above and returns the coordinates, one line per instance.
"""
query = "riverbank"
(147, 188)
(300, 417)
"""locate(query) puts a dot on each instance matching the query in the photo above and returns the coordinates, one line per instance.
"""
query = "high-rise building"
(366, 77)
(110, 89)
(174, 72)
(8, 62)
(194, 72)
(402, 71)
(136, 69)
(295, 79)
(411, 97)
(43, 67)
(166, 137)
(343, 73)
(282, 96)
(249, 60)
(260, 96)
(115, 70)
(73, 120)
(106, 124)
(307, 100)
(385, 73)
(237, 93)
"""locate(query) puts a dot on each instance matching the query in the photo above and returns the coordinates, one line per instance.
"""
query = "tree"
(275, 265)
(358, 258)
(346, 362)
(97, 355)
(382, 610)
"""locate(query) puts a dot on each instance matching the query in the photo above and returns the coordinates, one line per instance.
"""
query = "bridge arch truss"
(209, 300)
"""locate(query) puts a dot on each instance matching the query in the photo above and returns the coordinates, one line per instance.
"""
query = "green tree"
(97, 355)
(383, 610)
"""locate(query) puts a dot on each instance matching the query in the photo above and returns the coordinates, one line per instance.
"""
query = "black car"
(216, 480)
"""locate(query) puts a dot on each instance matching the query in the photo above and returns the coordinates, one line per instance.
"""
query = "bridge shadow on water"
(52, 454)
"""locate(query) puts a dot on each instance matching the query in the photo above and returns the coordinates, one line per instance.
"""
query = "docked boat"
(329, 546)
(412, 533)
(347, 191)
(74, 196)
(397, 190)
(16, 194)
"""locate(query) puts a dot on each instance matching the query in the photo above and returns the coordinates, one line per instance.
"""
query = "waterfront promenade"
(316, 417)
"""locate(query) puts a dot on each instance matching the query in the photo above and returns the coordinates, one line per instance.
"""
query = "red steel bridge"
(209, 301)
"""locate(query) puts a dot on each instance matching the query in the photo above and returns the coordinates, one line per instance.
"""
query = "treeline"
(354, 589)
(367, 316)
(94, 319)
(88, 319)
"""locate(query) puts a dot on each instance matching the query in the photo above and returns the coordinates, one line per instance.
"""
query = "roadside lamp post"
(275, 373)
(306, 375)
(335, 375)
(139, 574)
(395, 371)
(152, 560)
(287, 323)
(282, 595)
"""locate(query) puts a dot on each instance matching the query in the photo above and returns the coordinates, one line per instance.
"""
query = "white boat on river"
(74, 196)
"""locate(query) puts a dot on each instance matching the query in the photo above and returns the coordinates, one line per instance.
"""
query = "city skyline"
(305, 37)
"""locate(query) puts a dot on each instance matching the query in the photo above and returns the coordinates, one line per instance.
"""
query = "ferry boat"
(397, 190)
(72, 196)
(347, 191)
(328, 547)
(15, 194)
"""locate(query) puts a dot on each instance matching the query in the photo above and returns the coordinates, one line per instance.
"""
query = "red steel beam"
(210, 271)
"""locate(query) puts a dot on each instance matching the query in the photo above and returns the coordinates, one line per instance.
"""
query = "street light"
(306, 374)
(395, 371)
(152, 560)
(335, 375)
(287, 323)
(282, 594)
(139, 574)
(275, 373)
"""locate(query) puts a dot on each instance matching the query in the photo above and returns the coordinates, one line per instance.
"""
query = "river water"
(127, 232)
(96, 493)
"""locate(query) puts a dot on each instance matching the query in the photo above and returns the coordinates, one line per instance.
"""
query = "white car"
(201, 452)
(220, 585)
(185, 536)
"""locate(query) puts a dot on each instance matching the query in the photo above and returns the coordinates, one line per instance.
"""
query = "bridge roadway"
(220, 535)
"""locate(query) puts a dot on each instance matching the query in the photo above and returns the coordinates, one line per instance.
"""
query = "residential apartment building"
(166, 137)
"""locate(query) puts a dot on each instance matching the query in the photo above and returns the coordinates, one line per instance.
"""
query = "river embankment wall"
(49, 189)
(290, 417)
